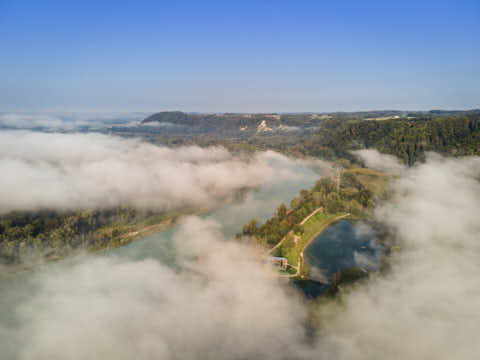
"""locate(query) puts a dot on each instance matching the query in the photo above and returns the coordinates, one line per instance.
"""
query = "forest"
(408, 139)
(331, 136)
(54, 234)
(354, 191)
(407, 135)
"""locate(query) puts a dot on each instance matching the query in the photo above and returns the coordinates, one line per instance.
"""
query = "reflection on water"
(342, 245)
(309, 288)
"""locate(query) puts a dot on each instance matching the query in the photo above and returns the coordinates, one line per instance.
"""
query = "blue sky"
(238, 55)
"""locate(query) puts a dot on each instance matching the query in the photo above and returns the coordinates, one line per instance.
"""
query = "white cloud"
(69, 171)
(378, 161)
(221, 305)
(218, 301)
(427, 308)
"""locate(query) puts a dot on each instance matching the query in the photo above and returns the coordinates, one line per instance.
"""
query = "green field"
(291, 249)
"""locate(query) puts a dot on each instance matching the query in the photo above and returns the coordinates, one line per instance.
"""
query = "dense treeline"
(405, 135)
(329, 136)
(228, 124)
(51, 233)
(345, 193)
(407, 139)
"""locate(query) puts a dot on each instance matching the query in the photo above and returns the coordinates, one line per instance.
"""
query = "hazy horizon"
(127, 239)
(113, 114)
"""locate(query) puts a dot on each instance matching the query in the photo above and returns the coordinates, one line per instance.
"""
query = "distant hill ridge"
(249, 124)
(228, 122)
(180, 117)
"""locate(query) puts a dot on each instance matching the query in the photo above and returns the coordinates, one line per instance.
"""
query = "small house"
(281, 262)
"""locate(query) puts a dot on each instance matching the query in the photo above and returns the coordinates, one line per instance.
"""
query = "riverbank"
(138, 231)
(293, 245)
(300, 260)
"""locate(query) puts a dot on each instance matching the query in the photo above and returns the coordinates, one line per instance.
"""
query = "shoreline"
(300, 258)
(324, 226)
(126, 239)
(122, 240)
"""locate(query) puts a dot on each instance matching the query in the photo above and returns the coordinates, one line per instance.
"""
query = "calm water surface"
(341, 245)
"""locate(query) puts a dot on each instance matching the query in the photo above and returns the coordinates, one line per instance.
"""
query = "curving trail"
(291, 231)
(309, 216)
(300, 256)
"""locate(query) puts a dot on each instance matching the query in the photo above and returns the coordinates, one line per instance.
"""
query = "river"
(18, 288)
(326, 252)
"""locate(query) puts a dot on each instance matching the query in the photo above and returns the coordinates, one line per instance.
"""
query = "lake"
(342, 245)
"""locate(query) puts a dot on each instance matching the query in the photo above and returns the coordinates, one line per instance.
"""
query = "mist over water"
(427, 306)
(259, 203)
(72, 171)
(117, 297)
(342, 245)
(192, 292)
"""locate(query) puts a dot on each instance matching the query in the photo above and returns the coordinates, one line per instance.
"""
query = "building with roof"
(281, 262)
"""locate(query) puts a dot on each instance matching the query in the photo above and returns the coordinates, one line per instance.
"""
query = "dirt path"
(291, 231)
(158, 227)
(300, 256)
(279, 243)
(148, 229)
(309, 216)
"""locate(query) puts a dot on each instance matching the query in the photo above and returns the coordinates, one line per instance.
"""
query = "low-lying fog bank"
(71, 171)
(427, 308)
(219, 302)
